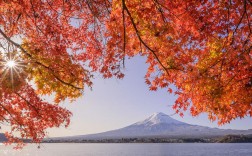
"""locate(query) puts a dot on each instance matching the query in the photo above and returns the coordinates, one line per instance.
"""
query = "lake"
(133, 149)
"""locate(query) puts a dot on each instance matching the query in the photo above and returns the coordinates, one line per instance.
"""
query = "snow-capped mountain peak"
(161, 125)
(158, 118)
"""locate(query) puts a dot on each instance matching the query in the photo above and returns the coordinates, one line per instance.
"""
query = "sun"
(10, 63)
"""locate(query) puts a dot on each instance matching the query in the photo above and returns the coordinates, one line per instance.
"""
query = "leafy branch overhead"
(202, 47)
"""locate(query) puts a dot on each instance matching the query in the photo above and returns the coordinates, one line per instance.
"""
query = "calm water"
(188, 149)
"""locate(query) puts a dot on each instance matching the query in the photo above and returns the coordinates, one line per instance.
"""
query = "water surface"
(133, 149)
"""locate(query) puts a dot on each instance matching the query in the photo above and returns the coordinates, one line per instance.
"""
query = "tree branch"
(124, 33)
(141, 40)
(37, 62)
(239, 22)
(28, 103)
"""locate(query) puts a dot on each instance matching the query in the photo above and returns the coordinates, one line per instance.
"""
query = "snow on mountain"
(158, 118)
(161, 125)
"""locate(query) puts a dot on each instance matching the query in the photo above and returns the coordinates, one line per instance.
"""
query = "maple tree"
(202, 47)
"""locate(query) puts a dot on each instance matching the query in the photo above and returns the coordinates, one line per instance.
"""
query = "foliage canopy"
(202, 47)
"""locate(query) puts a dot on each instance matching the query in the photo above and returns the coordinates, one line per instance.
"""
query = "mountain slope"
(161, 125)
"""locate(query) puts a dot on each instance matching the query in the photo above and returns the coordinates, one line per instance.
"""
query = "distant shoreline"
(223, 139)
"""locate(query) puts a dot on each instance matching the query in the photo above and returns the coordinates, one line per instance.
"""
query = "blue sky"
(114, 104)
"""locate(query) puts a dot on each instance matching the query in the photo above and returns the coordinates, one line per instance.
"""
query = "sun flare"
(11, 69)
(10, 63)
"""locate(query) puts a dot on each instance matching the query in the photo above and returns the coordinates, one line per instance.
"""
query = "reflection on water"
(133, 149)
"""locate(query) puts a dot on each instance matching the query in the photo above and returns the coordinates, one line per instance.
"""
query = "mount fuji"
(162, 126)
